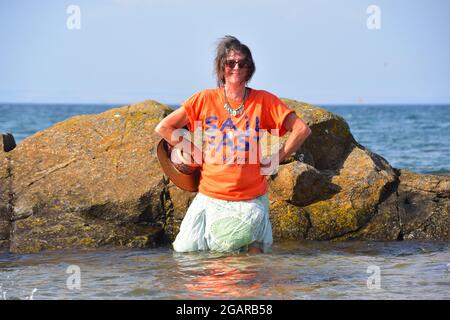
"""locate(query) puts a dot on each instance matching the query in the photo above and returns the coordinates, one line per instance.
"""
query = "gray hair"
(224, 47)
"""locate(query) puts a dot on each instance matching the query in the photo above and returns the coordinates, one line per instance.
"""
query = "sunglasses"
(241, 63)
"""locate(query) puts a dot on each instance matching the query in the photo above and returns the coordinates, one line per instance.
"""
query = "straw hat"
(184, 176)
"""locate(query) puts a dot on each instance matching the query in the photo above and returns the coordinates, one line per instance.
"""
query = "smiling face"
(235, 75)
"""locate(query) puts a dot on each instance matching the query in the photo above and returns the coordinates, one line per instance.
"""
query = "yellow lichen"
(328, 217)
(88, 242)
(30, 222)
(288, 221)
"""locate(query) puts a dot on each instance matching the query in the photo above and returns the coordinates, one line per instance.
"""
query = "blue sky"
(315, 51)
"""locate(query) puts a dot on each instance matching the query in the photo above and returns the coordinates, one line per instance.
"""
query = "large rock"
(364, 180)
(88, 181)
(94, 180)
(300, 184)
(345, 200)
(347, 183)
(417, 209)
(424, 206)
(330, 141)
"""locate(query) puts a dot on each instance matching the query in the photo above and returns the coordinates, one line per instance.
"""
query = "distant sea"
(413, 137)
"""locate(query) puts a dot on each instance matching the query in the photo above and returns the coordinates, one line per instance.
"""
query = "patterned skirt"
(225, 226)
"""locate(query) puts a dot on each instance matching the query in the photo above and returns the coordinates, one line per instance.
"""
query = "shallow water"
(294, 270)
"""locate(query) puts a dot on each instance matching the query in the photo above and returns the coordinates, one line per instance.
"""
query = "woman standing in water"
(231, 210)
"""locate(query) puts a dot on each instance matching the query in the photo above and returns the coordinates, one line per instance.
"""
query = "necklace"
(231, 111)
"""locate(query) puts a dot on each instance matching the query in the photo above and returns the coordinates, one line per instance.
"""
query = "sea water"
(294, 270)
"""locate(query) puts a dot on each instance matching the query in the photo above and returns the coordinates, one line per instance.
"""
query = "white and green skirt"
(225, 226)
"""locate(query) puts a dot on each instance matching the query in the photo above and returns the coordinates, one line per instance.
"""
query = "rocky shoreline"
(94, 180)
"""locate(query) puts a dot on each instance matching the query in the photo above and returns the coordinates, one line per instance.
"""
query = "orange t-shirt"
(230, 168)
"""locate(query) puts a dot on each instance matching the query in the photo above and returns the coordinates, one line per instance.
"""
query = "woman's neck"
(235, 91)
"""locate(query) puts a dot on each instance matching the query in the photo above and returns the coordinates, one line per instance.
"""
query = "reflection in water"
(232, 276)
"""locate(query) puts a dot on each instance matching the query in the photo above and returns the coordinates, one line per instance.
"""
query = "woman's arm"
(299, 132)
(176, 120)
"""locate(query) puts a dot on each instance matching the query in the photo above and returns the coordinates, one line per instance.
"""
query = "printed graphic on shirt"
(233, 150)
